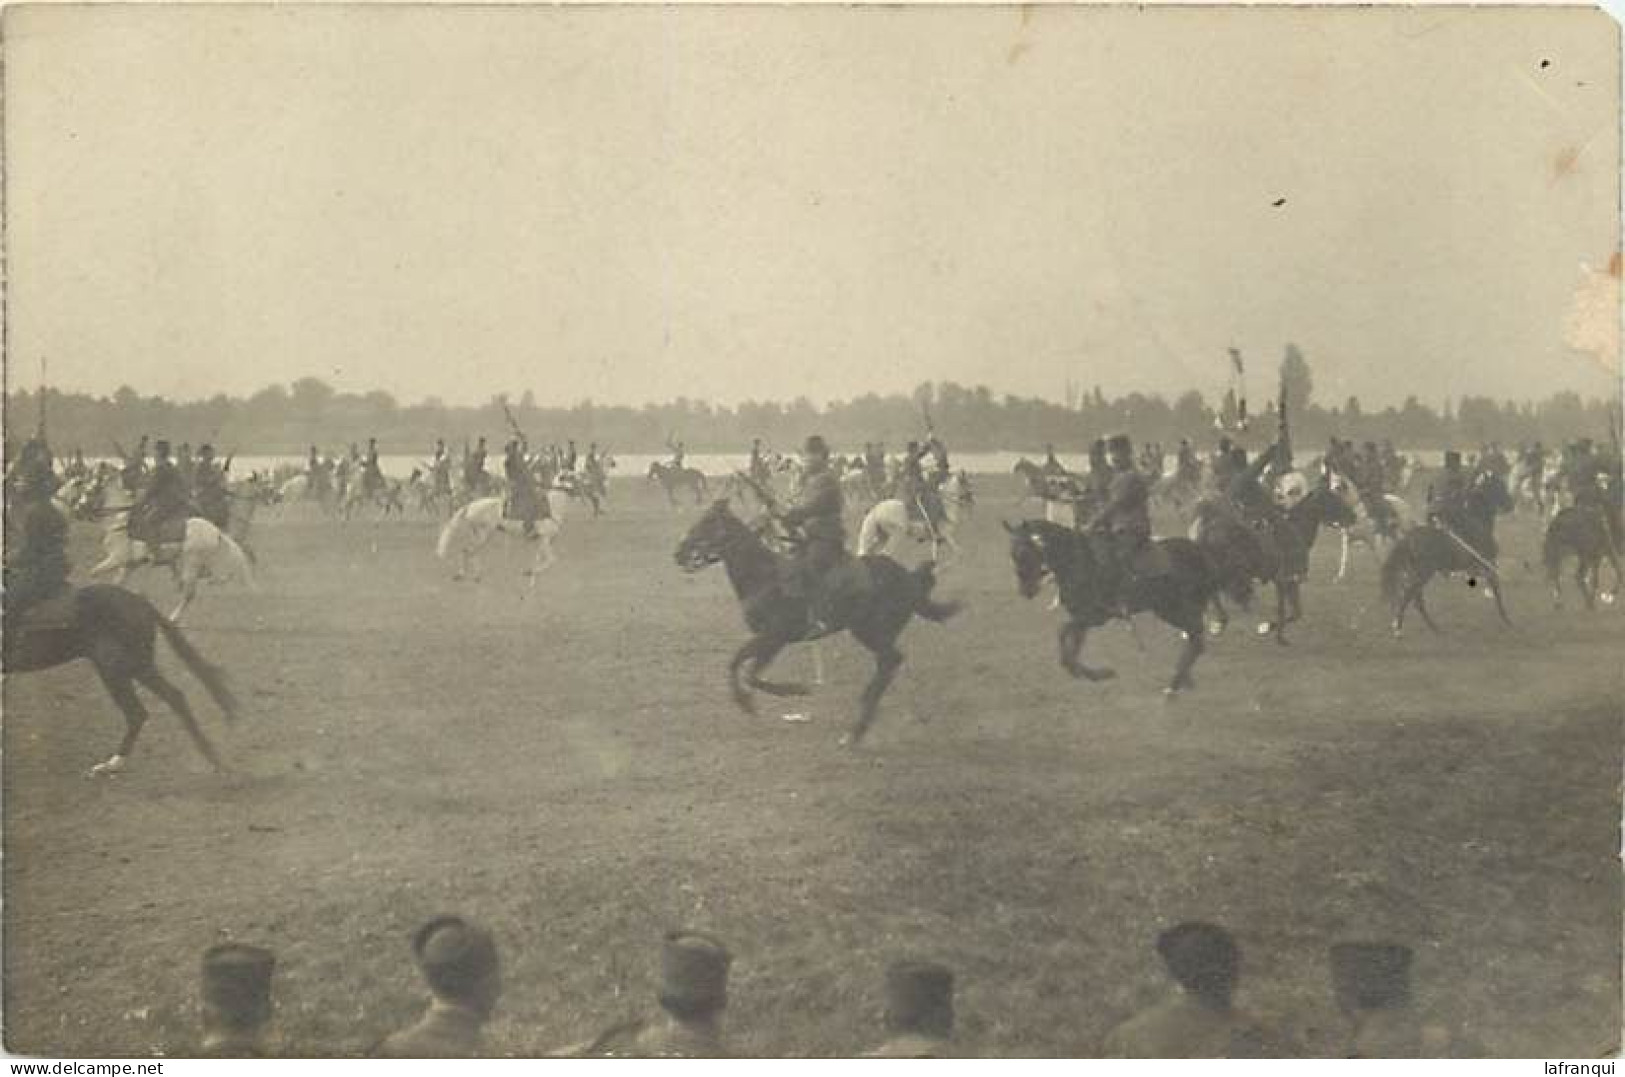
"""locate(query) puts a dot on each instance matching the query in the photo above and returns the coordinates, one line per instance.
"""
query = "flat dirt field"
(569, 769)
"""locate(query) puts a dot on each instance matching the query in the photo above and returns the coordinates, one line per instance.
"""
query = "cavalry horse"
(1179, 596)
(1241, 555)
(672, 478)
(1432, 549)
(196, 550)
(1379, 520)
(1584, 533)
(116, 631)
(892, 517)
(472, 527)
(875, 598)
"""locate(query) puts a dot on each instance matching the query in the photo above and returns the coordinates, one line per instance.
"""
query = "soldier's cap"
(816, 446)
(1203, 957)
(693, 972)
(1371, 975)
(1119, 443)
(455, 955)
(920, 996)
(161, 447)
(237, 981)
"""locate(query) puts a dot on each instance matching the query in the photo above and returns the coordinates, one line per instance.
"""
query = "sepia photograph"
(811, 531)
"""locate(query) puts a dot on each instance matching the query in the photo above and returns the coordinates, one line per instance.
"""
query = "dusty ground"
(569, 770)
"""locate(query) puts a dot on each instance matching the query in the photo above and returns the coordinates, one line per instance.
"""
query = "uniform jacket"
(817, 512)
(445, 1031)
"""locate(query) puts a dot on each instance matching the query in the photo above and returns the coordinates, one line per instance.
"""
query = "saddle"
(170, 531)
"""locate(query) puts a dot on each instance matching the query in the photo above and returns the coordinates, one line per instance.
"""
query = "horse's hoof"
(114, 765)
(1264, 628)
(1607, 598)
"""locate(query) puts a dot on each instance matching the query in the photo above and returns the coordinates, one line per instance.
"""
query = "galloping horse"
(673, 478)
(1581, 532)
(1040, 548)
(892, 517)
(1241, 556)
(1426, 551)
(1391, 517)
(115, 629)
(473, 525)
(201, 550)
(875, 600)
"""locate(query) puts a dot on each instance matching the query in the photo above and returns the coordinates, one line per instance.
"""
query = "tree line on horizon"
(287, 419)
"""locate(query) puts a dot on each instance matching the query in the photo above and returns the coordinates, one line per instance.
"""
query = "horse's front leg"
(1494, 584)
(1071, 638)
(1343, 560)
(766, 652)
(1192, 650)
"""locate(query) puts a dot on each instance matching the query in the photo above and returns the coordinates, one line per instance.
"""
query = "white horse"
(891, 517)
(204, 552)
(472, 526)
(1367, 531)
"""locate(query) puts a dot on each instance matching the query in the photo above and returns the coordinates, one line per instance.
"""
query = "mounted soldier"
(36, 565)
(372, 476)
(159, 513)
(1447, 496)
(209, 488)
(319, 475)
(758, 470)
(1123, 521)
(474, 477)
(440, 470)
(186, 465)
(678, 451)
(1052, 466)
(815, 522)
(1188, 467)
(135, 465)
(874, 465)
(523, 503)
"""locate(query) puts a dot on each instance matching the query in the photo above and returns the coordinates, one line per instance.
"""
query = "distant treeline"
(287, 419)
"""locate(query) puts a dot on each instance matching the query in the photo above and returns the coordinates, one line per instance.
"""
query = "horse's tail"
(444, 546)
(925, 579)
(212, 677)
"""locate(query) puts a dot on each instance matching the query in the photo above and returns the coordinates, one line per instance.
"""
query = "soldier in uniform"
(816, 516)
(1099, 479)
(474, 471)
(236, 1001)
(523, 503)
(1446, 498)
(677, 451)
(162, 505)
(1052, 466)
(459, 963)
(757, 468)
(874, 464)
(440, 470)
(693, 994)
(209, 488)
(1199, 1020)
(186, 465)
(919, 1013)
(372, 476)
(1222, 467)
(1124, 519)
(36, 566)
(1187, 466)
(135, 466)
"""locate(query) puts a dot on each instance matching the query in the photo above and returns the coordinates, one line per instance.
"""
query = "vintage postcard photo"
(779, 531)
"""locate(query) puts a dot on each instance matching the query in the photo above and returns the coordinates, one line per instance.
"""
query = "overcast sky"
(632, 204)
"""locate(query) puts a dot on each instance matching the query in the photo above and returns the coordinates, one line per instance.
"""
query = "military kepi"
(694, 972)
(816, 446)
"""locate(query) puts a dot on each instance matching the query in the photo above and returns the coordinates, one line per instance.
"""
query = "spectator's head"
(459, 963)
(1203, 958)
(236, 989)
(920, 999)
(694, 975)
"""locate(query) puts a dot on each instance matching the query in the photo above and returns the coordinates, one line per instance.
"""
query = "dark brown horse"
(1581, 532)
(1179, 596)
(116, 630)
(1279, 557)
(1437, 548)
(874, 598)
